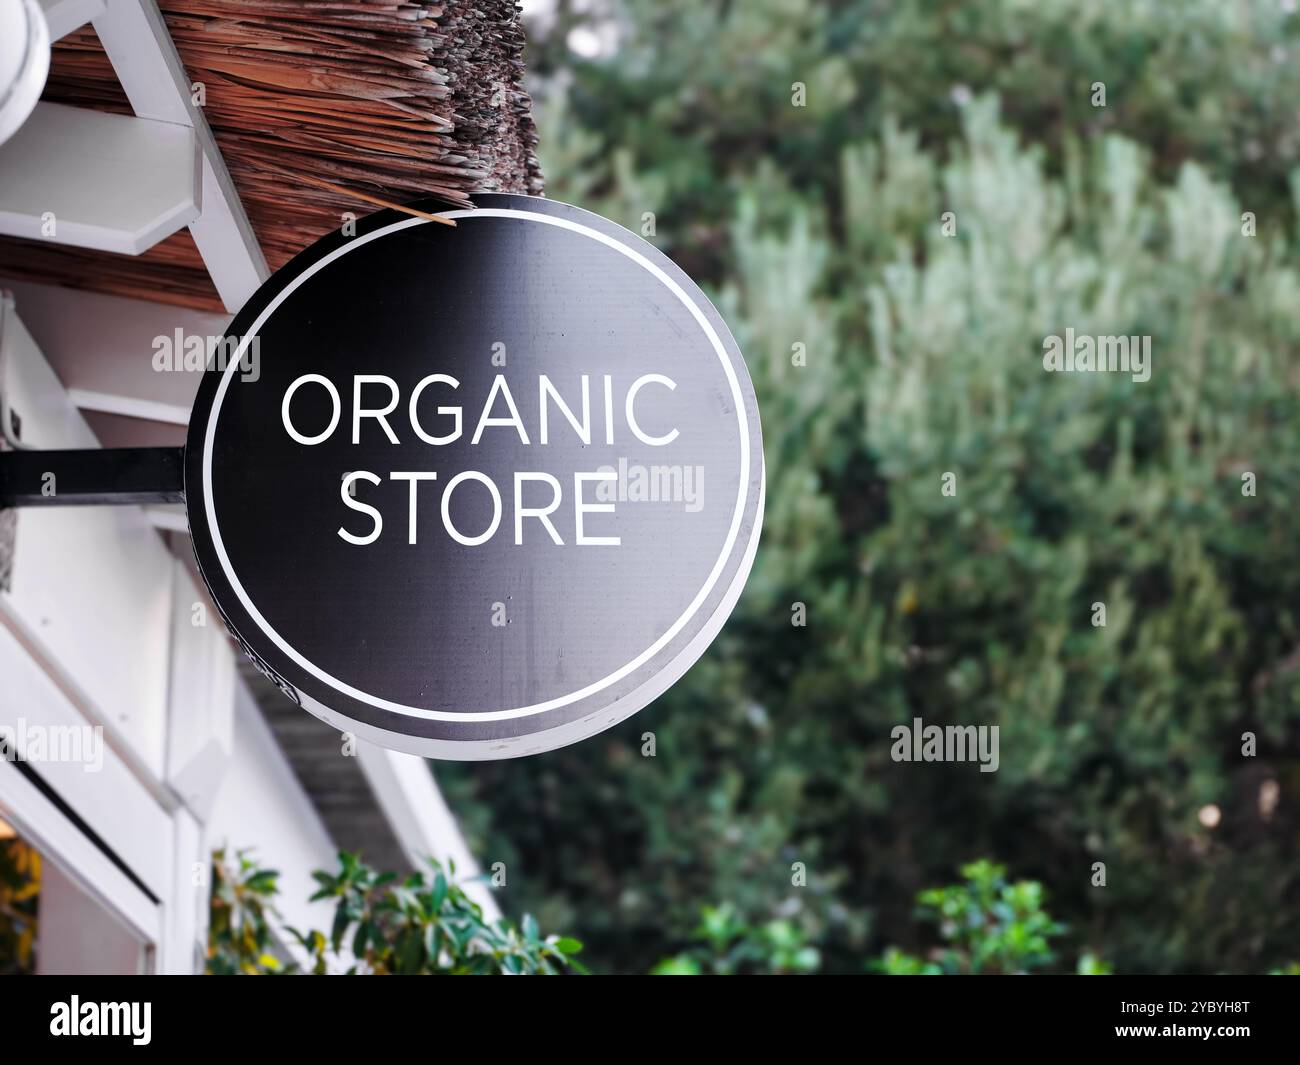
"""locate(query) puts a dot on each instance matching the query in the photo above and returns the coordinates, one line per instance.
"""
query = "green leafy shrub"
(383, 925)
(988, 925)
(240, 912)
(425, 924)
(727, 946)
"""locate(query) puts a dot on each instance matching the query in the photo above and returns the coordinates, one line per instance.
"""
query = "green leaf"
(341, 922)
(682, 965)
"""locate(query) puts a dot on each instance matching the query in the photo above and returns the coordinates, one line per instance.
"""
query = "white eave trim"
(141, 50)
(405, 790)
(98, 180)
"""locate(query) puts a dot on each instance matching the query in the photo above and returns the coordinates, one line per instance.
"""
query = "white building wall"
(97, 630)
(261, 806)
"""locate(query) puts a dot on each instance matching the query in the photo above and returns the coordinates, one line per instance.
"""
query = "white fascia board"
(64, 16)
(91, 179)
(42, 823)
(404, 787)
(102, 788)
(224, 237)
(141, 50)
(185, 913)
(201, 697)
(91, 588)
(129, 406)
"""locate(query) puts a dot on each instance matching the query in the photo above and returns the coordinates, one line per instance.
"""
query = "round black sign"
(476, 492)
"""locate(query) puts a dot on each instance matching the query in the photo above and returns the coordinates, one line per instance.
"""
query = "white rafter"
(84, 177)
(135, 37)
(64, 16)
(96, 180)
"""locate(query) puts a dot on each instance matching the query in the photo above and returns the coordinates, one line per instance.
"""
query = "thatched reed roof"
(397, 98)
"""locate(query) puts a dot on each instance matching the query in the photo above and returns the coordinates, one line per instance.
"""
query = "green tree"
(949, 197)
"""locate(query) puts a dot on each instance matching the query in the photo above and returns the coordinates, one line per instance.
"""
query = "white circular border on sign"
(562, 700)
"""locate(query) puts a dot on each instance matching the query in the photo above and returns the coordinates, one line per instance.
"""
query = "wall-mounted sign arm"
(92, 477)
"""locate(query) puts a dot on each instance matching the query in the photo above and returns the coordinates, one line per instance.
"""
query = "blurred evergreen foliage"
(821, 225)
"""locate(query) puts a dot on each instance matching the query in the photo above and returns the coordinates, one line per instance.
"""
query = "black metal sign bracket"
(92, 477)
